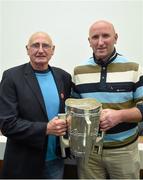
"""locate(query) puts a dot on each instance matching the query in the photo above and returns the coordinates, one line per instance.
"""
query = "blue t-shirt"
(51, 98)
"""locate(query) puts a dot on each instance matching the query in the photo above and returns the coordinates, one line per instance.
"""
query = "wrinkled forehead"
(101, 27)
(40, 38)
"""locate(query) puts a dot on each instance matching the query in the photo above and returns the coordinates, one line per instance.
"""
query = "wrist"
(140, 108)
(47, 131)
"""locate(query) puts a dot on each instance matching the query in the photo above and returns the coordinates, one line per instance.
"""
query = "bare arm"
(110, 118)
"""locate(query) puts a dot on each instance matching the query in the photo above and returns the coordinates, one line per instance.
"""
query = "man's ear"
(53, 49)
(27, 49)
(116, 38)
(89, 41)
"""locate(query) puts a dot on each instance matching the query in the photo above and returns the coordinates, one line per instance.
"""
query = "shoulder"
(60, 71)
(86, 66)
(126, 62)
(15, 72)
(16, 69)
(61, 74)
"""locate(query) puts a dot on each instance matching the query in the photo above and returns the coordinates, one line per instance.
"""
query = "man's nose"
(100, 41)
(40, 48)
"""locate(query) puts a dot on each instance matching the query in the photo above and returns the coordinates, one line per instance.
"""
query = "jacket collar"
(33, 84)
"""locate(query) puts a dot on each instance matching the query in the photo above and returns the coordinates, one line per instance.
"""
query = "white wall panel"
(68, 23)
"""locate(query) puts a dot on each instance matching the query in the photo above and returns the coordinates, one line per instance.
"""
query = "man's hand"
(56, 127)
(109, 118)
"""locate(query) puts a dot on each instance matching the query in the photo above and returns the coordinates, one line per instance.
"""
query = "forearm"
(131, 115)
(110, 117)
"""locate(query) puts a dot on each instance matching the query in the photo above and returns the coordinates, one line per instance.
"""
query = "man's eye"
(106, 35)
(95, 37)
(46, 46)
(36, 45)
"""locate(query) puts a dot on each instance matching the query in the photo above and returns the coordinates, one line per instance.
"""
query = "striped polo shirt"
(117, 85)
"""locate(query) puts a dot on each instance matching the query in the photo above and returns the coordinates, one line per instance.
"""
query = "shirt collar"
(108, 61)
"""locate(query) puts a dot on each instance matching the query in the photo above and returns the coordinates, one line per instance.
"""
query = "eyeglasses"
(36, 46)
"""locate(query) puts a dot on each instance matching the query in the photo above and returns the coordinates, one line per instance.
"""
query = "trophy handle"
(64, 142)
(87, 138)
(99, 142)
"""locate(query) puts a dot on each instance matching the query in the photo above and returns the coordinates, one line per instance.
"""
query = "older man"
(31, 96)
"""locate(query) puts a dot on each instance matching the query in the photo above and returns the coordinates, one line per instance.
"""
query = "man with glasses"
(31, 96)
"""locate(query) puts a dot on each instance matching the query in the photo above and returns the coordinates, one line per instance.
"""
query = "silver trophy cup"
(83, 115)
